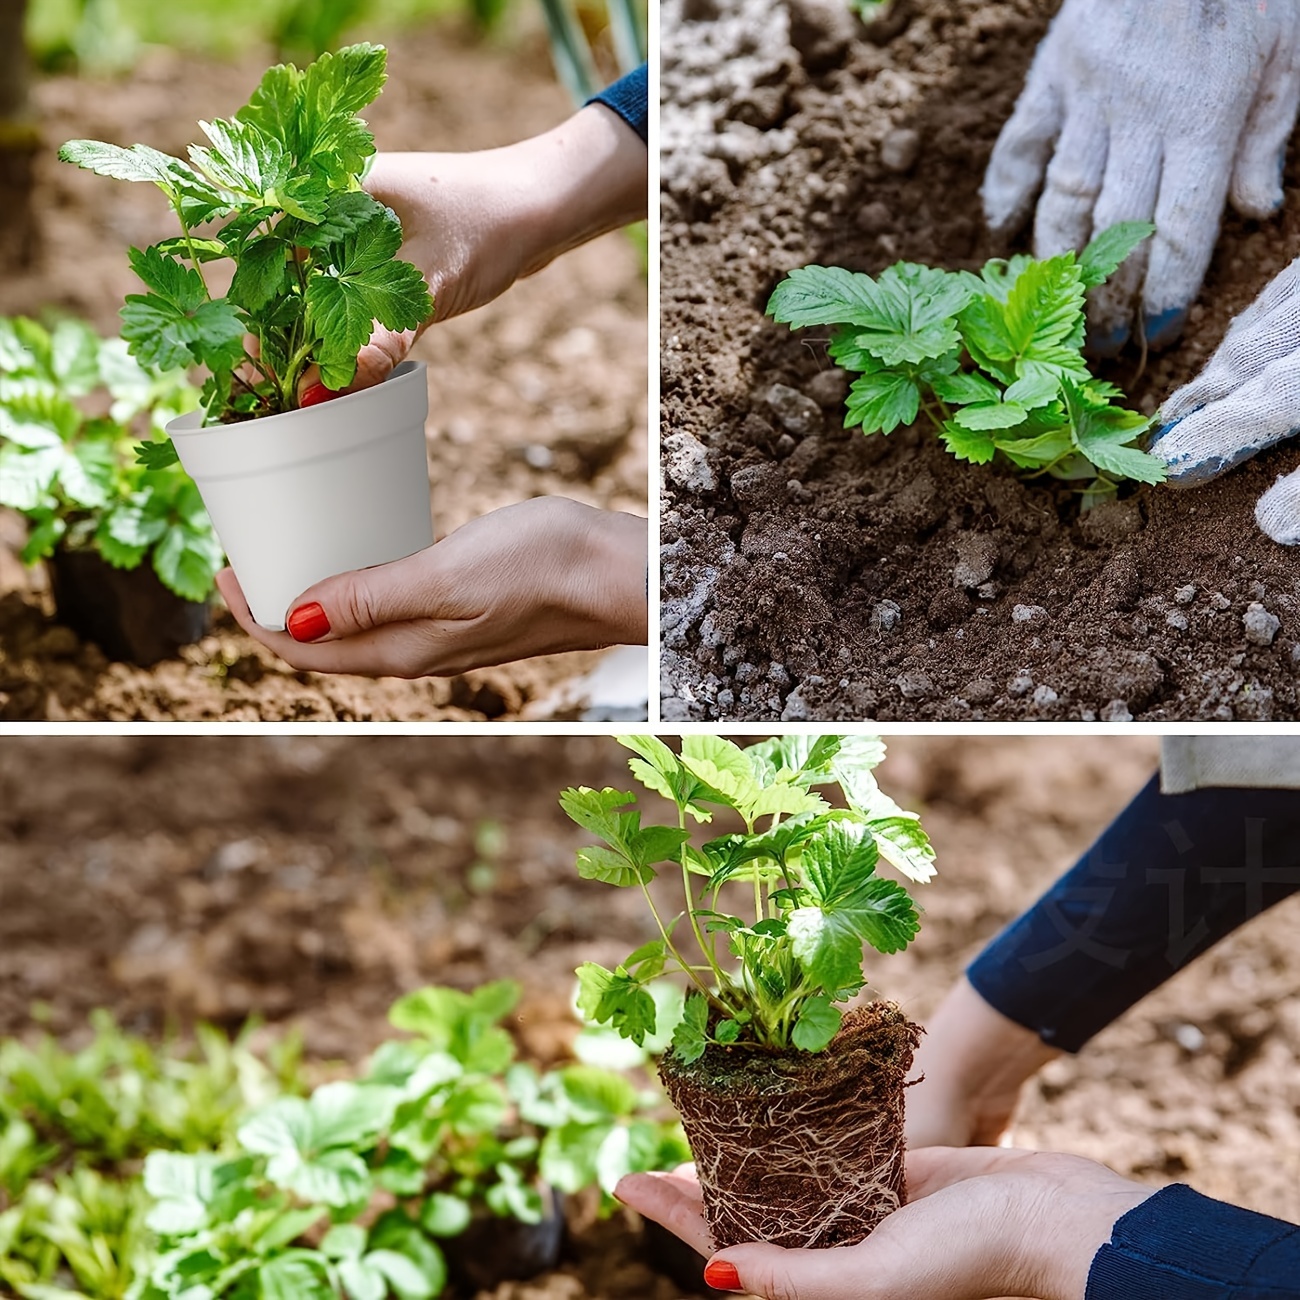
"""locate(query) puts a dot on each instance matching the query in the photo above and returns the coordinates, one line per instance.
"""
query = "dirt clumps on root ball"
(798, 1148)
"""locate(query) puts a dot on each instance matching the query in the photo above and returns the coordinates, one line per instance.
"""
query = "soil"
(542, 392)
(800, 1151)
(315, 878)
(812, 573)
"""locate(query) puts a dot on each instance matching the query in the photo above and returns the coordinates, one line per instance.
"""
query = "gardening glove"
(537, 578)
(980, 1222)
(1135, 111)
(1247, 398)
(474, 223)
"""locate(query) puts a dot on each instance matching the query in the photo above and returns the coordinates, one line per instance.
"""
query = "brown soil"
(541, 393)
(811, 572)
(795, 1149)
(314, 879)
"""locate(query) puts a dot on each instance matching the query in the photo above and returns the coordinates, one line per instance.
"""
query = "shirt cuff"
(629, 97)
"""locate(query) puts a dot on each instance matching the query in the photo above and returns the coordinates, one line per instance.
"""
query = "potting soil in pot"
(800, 1148)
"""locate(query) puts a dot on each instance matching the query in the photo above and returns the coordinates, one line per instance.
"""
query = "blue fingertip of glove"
(1108, 345)
(1186, 470)
(1166, 326)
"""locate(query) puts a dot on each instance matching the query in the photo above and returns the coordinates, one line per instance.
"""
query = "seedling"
(314, 256)
(994, 361)
(792, 1106)
(71, 406)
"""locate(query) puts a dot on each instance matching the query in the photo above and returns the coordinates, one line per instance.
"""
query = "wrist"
(609, 596)
(581, 179)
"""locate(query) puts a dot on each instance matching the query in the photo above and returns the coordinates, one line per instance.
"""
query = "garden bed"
(316, 879)
(810, 573)
(540, 393)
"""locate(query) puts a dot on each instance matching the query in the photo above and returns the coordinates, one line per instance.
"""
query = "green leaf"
(344, 1241)
(1045, 305)
(616, 999)
(87, 473)
(259, 275)
(882, 401)
(187, 560)
(818, 1023)
(722, 767)
(1111, 249)
(201, 200)
(1103, 435)
(824, 295)
(157, 455)
(361, 1281)
(241, 158)
(691, 1035)
(444, 1215)
(345, 211)
(27, 476)
(402, 1274)
(973, 445)
(595, 1094)
(45, 529)
(963, 389)
(991, 415)
(1036, 388)
(295, 1275)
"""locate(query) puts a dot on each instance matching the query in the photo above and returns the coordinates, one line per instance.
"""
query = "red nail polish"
(307, 623)
(722, 1274)
(316, 394)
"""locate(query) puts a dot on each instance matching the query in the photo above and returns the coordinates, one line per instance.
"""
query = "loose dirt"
(812, 573)
(542, 392)
(315, 879)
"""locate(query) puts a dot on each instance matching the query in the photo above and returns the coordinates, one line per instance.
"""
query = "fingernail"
(316, 394)
(722, 1274)
(307, 623)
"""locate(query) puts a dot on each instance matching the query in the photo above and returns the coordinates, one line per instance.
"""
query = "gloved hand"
(1247, 398)
(1136, 111)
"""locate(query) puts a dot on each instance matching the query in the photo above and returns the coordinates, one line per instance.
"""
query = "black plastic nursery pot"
(493, 1249)
(128, 613)
(796, 1148)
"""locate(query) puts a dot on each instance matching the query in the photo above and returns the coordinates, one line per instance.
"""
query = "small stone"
(989, 590)
(1220, 602)
(1116, 711)
(796, 707)
(1261, 626)
(1177, 620)
(1185, 595)
(899, 150)
(874, 218)
(798, 414)
(1044, 695)
(977, 556)
(885, 616)
(1257, 590)
(1028, 614)
(745, 672)
(777, 673)
(915, 686)
(686, 462)
(726, 700)
(538, 457)
(1020, 684)
(828, 388)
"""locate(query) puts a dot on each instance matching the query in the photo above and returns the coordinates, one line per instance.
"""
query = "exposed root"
(799, 1149)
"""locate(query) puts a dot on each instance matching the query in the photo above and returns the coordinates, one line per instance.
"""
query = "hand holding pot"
(474, 223)
(1141, 112)
(981, 1223)
(1246, 399)
(536, 578)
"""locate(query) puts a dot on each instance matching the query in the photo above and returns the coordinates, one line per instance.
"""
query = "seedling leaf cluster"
(994, 361)
(72, 404)
(771, 977)
(278, 186)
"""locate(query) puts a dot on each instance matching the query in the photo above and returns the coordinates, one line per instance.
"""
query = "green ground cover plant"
(72, 404)
(314, 256)
(772, 976)
(994, 361)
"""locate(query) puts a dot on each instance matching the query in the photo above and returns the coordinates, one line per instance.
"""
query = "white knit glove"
(1149, 110)
(1247, 398)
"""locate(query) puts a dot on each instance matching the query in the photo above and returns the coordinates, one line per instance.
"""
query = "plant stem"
(189, 243)
(705, 947)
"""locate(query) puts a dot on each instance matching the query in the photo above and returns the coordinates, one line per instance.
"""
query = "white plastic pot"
(302, 496)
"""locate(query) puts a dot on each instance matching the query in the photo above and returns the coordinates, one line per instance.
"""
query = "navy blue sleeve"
(629, 97)
(1170, 877)
(1180, 1245)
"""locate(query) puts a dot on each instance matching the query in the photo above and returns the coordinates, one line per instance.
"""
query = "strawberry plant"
(71, 406)
(277, 190)
(793, 1105)
(994, 361)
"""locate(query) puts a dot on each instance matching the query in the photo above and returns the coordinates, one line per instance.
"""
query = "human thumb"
(354, 602)
(779, 1274)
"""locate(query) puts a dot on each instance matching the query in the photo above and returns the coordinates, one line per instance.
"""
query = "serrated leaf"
(345, 211)
(1045, 305)
(444, 1215)
(818, 1023)
(963, 389)
(882, 401)
(1111, 249)
(991, 415)
(974, 445)
(26, 477)
(187, 560)
(690, 1036)
(259, 275)
(295, 1275)
(1034, 389)
(156, 455)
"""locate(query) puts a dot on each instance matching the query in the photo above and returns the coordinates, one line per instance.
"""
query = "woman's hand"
(981, 1222)
(474, 223)
(536, 578)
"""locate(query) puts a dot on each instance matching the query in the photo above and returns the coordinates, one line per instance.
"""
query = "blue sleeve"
(629, 97)
(1180, 1245)
(1169, 878)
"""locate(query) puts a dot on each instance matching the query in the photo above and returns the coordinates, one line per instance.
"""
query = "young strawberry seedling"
(764, 1053)
(994, 361)
(277, 189)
